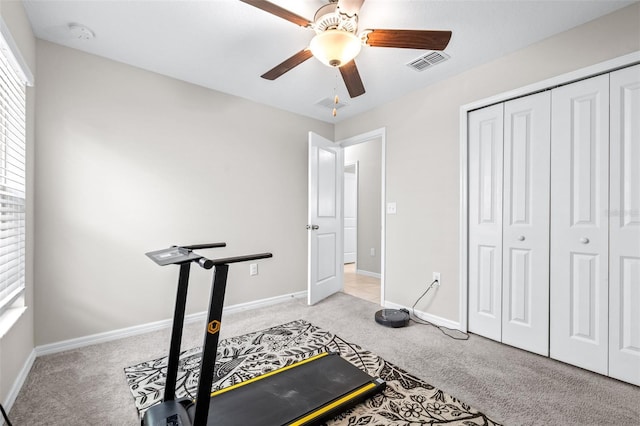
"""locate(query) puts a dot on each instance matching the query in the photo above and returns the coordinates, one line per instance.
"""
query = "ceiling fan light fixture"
(335, 48)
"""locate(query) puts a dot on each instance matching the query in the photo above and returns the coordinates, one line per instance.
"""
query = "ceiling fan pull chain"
(335, 97)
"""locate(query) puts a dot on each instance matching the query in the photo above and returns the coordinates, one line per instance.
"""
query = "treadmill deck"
(304, 393)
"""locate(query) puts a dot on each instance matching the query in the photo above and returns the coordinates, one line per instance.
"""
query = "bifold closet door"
(485, 134)
(624, 226)
(579, 224)
(525, 238)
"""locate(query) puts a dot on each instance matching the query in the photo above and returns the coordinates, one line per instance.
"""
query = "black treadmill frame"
(179, 412)
(216, 303)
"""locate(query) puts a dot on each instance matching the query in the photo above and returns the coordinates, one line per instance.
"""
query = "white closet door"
(485, 221)
(525, 240)
(624, 226)
(579, 224)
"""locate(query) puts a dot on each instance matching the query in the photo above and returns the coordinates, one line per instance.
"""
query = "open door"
(325, 252)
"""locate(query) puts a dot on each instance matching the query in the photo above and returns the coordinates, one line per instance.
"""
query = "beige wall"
(129, 161)
(422, 144)
(369, 158)
(18, 343)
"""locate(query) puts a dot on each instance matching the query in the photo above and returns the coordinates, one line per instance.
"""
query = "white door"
(624, 226)
(485, 221)
(579, 224)
(525, 238)
(325, 253)
(350, 213)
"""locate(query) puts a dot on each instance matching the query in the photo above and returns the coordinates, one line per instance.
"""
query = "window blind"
(12, 181)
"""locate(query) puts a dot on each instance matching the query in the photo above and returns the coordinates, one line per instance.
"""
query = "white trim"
(383, 216)
(425, 316)
(563, 79)
(108, 336)
(364, 137)
(18, 383)
(368, 274)
(262, 303)
(464, 220)
(14, 55)
(11, 316)
(135, 330)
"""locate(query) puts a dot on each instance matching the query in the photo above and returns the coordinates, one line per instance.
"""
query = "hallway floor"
(361, 286)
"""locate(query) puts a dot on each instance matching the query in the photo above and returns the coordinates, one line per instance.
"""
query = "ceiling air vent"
(428, 60)
(328, 103)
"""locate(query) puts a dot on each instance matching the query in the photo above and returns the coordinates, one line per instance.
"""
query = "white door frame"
(593, 70)
(361, 138)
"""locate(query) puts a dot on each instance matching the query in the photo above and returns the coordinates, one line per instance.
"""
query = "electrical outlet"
(392, 208)
(436, 277)
(253, 269)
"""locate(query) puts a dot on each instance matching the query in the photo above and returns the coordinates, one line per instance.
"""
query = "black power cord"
(4, 414)
(415, 318)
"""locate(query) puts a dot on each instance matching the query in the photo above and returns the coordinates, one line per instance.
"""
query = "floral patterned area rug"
(406, 400)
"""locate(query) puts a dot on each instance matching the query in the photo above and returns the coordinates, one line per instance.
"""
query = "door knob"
(313, 227)
(584, 240)
(521, 238)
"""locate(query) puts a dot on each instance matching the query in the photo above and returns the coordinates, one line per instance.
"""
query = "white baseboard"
(108, 336)
(433, 319)
(17, 384)
(368, 274)
(79, 342)
(263, 302)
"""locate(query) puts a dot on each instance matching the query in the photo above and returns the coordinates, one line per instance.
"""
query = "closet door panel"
(525, 285)
(624, 226)
(485, 221)
(579, 224)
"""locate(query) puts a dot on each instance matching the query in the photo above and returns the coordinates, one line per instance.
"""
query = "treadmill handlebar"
(237, 259)
(180, 255)
(204, 246)
(205, 263)
(210, 263)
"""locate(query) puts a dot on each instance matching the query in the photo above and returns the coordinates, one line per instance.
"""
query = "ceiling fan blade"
(408, 39)
(287, 65)
(350, 7)
(352, 79)
(280, 12)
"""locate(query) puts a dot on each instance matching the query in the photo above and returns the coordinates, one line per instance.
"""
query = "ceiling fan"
(336, 43)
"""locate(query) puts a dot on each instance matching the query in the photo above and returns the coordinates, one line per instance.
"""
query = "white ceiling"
(226, 44)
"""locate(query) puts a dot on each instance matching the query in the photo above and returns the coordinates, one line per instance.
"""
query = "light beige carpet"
(87, 385)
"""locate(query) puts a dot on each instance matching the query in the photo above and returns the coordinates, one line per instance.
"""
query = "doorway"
(325, 271)
(363, 219)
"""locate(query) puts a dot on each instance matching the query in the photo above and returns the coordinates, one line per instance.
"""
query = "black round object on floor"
(394, 318)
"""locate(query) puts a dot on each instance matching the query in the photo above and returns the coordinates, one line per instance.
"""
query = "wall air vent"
(329, 103)
(428, 60)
